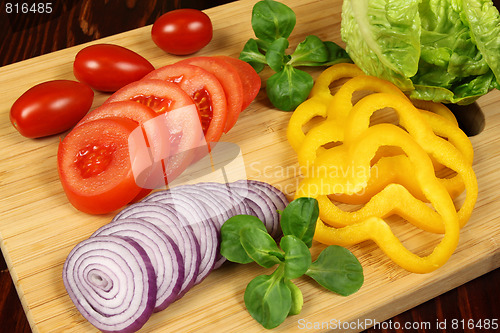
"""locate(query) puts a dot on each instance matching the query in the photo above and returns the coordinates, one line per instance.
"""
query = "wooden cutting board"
(39, 227)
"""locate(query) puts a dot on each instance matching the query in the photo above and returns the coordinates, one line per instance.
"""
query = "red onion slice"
(227, 197)
(277, 197)
(195, 216)
(112, 283)
(272, 195)
(161, 250)
(166, 219)
(218, 210)
(261, 205)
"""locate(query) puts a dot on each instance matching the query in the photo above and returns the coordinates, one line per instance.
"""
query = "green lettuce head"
(440, 50)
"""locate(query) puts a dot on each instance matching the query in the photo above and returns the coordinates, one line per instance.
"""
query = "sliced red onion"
(162, 251)
(224, 193)
(262, 206)
(270, 193)
(196, 216)
(217, 210)
(277, 197)
(112, 283)
(166, 219)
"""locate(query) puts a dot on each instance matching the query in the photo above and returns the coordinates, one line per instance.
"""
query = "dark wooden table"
(78, 21)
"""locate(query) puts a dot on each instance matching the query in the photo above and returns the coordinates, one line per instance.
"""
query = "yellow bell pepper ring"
(321, 88)
(343, 101)
(339, 106)
(361, 151)
(414, 122)
(384, 204)
(320, 98)
(388, 170)
(304, 113)
(436, 108)
(378, 230)
(358, 120)
(337, 173)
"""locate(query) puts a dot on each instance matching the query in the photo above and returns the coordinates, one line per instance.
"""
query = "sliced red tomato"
(137, 112)
(250, 79)
(159, 95)
(94, 165)
(176, 126)
(206, 91)
(186, 139)
(141, 114)
(230, 81)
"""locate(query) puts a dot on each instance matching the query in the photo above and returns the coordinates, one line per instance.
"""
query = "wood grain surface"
(35, 245)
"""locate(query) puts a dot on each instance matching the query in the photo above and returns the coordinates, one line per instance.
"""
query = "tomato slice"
(94, 165)
(250, 79)
(186, 140)
(230, 80)
(159, 95)
(180, 131)
(206, 91)
(140, 114)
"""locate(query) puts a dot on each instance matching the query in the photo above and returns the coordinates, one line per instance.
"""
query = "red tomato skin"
(50, 108)
(159, 95)
(124, 109)
(108, 67)
(138, 113)
(193, 79)
(229, 79)
(109, 190)
(250, 79)
(182, 31)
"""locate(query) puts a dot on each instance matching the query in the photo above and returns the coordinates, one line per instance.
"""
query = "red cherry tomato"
(182, 31)
(50, 108)
(108, 67)
(94, 165)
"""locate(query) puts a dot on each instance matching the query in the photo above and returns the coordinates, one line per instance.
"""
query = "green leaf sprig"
(272, 23)
(270, 299)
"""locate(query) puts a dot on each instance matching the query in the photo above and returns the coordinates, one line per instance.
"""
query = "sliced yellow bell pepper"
(390, 169)
(320, 98)
(360, 151)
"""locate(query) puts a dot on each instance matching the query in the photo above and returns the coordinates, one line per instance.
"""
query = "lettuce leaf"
(484, 22)
(382, 38)
(440, 50)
